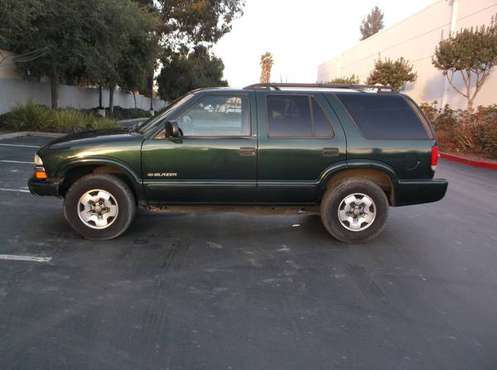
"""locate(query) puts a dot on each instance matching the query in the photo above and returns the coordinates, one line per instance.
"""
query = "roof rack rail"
(278, 86)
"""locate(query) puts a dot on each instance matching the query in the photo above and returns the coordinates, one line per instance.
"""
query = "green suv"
(349, 151)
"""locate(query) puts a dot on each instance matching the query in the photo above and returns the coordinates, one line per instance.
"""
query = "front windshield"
(152, 121)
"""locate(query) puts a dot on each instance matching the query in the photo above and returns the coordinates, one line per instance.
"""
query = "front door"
(299, 138)
(215, 158)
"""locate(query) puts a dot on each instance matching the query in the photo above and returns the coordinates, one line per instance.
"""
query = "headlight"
(37, 160)
(40, 173)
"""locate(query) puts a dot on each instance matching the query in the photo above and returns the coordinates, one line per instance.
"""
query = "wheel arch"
(381, 174)
(71, 172)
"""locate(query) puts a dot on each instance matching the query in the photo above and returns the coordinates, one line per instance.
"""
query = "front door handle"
(330, 152)
(247, 151)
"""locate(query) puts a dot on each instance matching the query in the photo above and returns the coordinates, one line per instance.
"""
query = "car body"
(248, 147)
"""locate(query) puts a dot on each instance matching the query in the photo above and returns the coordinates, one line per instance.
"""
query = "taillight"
(434, 157)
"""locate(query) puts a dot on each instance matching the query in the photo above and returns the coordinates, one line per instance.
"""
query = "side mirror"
(172, 129)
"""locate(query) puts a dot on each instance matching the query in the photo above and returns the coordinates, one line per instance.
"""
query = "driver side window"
(216, 115)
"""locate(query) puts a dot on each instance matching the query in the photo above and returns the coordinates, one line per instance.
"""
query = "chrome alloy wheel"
(97, 209)
(357, 212)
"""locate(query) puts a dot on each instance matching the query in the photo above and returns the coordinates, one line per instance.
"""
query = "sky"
(301, 34)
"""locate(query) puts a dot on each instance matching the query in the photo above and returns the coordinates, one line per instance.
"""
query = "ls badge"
(162, 174)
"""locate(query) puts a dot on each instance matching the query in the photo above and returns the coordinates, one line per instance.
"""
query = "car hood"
(94, 137)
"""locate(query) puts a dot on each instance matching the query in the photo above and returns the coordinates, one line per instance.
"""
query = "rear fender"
(342, 167)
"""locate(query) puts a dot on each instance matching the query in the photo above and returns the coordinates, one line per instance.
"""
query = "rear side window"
(322, 126)
(384, 116)
(297, 116)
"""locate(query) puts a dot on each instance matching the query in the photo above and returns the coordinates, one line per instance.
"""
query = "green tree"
(80, 41)
(37, 24)
(393, 73)
(372, 23)
(348, 80)
(139, 57)
(90, 41)
(186, 24)
(184, 71)
(196, 21)
(126, 53)
(471, 54)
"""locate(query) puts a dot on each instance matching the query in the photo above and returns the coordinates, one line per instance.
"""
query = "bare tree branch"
(452, 84)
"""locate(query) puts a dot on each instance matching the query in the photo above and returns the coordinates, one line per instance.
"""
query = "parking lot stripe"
(16, 162)
(21, 146)
(13, 257)
(15, 190)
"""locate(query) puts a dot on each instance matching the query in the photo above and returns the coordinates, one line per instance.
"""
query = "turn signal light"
(40, 175)
(434, 157)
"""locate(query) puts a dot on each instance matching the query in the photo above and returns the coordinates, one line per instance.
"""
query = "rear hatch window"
(387, 117)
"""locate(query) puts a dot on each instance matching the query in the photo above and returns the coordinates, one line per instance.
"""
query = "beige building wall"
(415, 39)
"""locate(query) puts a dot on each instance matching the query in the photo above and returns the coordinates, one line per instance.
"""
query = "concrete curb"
(488, 164)
(13, 135)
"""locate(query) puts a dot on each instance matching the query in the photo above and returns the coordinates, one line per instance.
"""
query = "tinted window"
(216, 115)
(322, 126)
(291, 116)
(151, 122)
(384, 116)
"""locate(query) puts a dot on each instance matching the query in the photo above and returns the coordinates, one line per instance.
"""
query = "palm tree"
(266, 65)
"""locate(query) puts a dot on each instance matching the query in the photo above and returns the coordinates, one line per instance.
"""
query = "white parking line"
(21, 146)
(13, 257)
(15, 190)
(16, 162)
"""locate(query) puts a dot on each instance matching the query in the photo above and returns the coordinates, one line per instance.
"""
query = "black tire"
(332, 199)
(111, 184)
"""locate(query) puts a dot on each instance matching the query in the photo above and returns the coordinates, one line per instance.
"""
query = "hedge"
(35, 117)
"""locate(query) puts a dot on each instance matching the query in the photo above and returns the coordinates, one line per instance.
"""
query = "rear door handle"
(330, 152)
(247, 151)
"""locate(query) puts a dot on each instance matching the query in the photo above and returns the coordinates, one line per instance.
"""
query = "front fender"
(64, 168)
(120, 166)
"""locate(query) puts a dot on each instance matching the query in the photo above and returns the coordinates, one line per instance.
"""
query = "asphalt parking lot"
(232, 291)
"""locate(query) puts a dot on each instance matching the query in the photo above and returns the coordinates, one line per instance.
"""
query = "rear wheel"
(355, 210)
(99, 207)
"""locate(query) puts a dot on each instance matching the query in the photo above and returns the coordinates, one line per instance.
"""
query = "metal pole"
(454, 4)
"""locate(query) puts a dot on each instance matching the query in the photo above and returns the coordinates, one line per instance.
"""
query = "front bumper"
(46, 187)
(410, 192)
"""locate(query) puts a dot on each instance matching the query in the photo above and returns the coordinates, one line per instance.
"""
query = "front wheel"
(99, 207)
(355, 210)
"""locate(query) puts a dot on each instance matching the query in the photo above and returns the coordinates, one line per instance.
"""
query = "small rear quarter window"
(384, 116)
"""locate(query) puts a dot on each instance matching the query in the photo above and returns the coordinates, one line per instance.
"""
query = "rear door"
(299, 138)
(214, 160)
